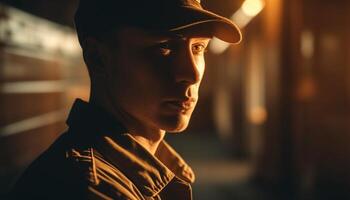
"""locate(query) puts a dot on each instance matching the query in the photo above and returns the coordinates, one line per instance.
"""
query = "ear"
(93, 56)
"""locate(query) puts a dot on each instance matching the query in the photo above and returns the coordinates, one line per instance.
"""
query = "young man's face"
(153, 79)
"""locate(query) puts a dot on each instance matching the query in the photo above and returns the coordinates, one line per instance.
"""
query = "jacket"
(97, 159)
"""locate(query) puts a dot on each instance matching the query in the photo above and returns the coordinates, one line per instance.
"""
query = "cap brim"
(218, 26)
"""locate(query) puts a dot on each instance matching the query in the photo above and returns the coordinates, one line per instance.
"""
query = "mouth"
(181, 105)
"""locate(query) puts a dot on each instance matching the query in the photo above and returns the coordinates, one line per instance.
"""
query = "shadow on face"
(151, 79)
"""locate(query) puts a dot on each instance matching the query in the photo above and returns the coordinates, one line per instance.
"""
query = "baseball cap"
(94, 17)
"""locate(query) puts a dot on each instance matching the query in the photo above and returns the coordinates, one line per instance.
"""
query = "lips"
(183, 105)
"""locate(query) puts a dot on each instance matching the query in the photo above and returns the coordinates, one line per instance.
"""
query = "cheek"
(133, 78)
(200, 63)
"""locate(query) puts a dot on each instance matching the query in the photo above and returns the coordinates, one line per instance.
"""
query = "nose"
(188, 70)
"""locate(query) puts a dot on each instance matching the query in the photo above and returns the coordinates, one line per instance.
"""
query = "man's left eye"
(198, 48)
(164, 49)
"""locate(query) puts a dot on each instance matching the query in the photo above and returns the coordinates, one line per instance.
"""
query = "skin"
(148, 81)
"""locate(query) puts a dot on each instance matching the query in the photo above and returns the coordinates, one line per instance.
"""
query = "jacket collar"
(149, 173)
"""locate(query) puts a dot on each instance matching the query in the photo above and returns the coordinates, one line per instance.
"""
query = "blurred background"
(273, 120)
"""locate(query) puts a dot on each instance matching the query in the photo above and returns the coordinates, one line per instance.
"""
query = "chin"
(176, 130)
(175, 124)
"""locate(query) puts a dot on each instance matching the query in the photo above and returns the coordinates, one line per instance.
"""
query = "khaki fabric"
(97, 159)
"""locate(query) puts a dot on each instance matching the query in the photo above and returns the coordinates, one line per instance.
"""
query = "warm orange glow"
(257, 115)
(252, 7)
(255, 85)
(248, 10)
(307, 44)
(306, 89)
(218, 46)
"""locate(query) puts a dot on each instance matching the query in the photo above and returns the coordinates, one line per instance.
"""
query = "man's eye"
(164, 49)
(198, 48)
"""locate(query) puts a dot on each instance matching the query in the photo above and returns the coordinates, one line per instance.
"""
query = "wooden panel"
(23, 68)
(16, 107)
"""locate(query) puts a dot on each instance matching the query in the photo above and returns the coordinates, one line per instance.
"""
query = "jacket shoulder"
(50, 176)
(70, 171)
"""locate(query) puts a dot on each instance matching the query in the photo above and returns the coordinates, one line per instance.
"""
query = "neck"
(150, 141)
(147, 136)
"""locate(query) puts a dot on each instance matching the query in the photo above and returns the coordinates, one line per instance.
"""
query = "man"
(146, 61)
